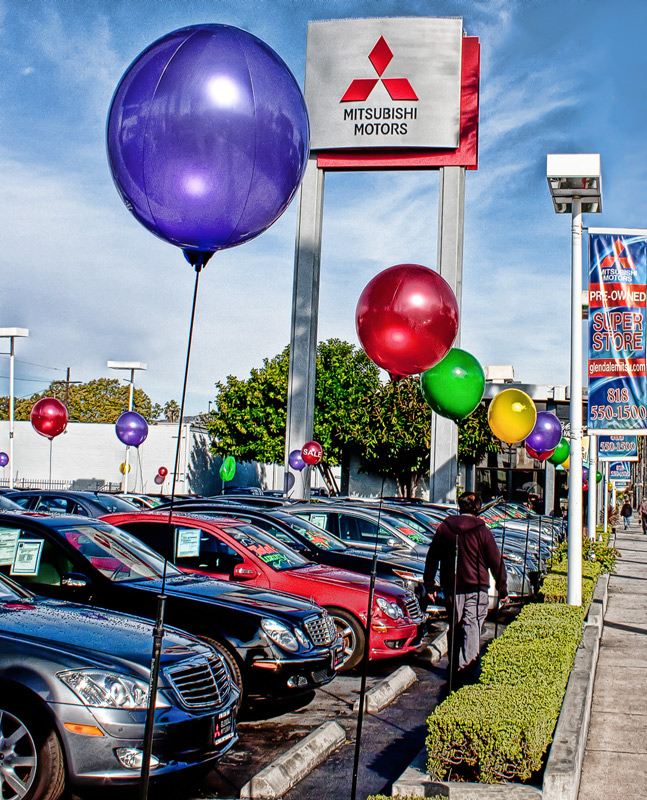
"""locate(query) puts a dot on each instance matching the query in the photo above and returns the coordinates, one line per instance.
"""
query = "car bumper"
(282, 677)
(390, 640)
(182, 741)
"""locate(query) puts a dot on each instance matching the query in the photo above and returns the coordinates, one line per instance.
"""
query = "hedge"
(499, 729)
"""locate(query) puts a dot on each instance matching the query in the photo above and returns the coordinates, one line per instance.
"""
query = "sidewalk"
(615, 760)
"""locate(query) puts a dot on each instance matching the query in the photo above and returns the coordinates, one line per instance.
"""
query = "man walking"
(464, 549)
(626, 512)
(643, 513)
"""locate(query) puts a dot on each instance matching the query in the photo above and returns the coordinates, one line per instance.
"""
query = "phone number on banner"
(618, 412)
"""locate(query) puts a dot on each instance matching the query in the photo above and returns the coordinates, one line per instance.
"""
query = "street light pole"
(132, 366)
(12, 334)
(593, 486)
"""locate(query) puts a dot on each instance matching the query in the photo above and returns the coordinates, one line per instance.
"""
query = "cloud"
(27, 71)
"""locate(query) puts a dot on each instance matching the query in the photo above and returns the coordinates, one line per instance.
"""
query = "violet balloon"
(4, 459)
(546, 434)
(295, 460)
(208, 138)
(131, 428)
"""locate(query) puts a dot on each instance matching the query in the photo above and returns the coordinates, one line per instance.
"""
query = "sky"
(92, 285)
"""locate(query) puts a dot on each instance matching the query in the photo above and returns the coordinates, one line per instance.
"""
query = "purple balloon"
(585, 474)
(131, 428)
(4, 459)
(208, 138)
(546, 434)
(295, 460)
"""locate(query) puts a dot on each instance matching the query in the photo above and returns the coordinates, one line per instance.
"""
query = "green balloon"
(598, 477)
(561, 452)
(455, 386)
(228, 468)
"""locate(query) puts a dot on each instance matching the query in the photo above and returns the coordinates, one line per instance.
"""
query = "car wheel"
(31, 759)
(353, 636)
(232, 662)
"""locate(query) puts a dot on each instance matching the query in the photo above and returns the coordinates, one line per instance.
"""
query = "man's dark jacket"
(477, 552)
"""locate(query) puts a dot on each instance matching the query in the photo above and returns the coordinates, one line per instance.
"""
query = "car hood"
(394, 558)
(93, 634)
(319, 573)
(251, 599)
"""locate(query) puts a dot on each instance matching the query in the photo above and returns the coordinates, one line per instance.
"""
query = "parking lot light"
(132, 366)
(575, 184)
(12, 334)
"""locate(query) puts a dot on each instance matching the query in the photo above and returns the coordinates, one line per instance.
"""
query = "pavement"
(615, 759)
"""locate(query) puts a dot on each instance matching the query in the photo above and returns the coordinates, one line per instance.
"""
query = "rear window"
(113, 504)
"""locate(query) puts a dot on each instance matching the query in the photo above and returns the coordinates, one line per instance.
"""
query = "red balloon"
(407, 319)
(49, 417)
(585, 487)
(162, 471)
(312, 453)
(540, 456)
(159, 479)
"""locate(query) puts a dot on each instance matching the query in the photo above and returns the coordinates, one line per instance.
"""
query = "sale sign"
(617, 347)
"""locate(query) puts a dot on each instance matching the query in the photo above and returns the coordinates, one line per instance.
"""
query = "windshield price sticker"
(187, 542)
(8, 542)
(26, 559)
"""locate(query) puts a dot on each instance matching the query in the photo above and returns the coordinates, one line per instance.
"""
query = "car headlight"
(390, 609)
(280, 634)
(109, 690)
(302, 638)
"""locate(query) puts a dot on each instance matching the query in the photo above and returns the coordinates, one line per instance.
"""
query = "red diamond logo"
(398, 88)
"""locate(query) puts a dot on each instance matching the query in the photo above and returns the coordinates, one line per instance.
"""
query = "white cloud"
(27, 71)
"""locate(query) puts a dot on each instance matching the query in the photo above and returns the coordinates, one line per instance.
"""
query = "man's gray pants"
(465, 624)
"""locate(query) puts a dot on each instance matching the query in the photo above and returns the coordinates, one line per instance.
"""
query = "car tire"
(353, 635)
(232, 662)
(35, 740)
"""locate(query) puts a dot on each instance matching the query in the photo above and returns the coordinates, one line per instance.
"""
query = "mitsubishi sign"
(390, 82)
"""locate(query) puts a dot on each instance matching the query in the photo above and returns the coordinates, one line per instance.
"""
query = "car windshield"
(115, 553)
(10, 592)
(272, 552)
(312, 533)
(9, 505)
(112, 503)
(403, 526)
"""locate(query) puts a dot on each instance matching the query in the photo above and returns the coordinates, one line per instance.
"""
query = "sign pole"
(593, 486)
(605, 478)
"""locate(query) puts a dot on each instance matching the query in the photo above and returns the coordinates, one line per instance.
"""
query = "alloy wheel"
(18, 758)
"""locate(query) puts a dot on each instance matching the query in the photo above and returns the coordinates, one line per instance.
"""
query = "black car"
(85, 504)
(319, 545)
(275, 645)
(73, 696)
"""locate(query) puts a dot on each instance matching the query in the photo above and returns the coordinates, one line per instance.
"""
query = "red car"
(237, 551)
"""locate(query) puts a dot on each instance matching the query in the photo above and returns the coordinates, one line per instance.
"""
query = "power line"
(31, 363)
(31, 380)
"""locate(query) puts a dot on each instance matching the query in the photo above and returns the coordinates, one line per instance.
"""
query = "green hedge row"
(499, 729)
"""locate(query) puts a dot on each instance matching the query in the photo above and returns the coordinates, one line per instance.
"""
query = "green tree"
(249, 418)
(475, 437)
(100, 400)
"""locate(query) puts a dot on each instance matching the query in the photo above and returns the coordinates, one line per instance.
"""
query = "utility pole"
(67, 386)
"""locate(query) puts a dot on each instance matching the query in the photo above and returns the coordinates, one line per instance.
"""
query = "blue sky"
(91, 284)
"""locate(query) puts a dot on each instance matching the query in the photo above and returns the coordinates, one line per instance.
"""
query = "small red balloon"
(407, 319)
(49, 417)
(312, 453)
(159, 479)
(585, 487)
(162, 471)
(540, 456)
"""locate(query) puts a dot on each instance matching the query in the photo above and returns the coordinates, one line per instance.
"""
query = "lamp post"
(575, 186)
(12, 334)
(132, 366)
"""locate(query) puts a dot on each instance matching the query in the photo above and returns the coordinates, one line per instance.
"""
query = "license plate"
(224, 728)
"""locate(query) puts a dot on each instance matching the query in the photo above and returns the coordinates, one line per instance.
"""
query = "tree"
(475, 438)
(172, 411)
(250, 416)
(100, 400)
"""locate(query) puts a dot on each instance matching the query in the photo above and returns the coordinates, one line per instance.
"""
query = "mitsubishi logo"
(398, 88)
(618, 259)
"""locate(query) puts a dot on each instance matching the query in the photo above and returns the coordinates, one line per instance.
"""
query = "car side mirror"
(76, 582)
(241, 572)
(392, 542)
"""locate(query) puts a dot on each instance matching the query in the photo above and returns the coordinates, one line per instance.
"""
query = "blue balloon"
(295, 460)
(208, 138)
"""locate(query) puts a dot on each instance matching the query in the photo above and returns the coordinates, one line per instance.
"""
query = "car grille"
(321, 630)
(200, 682)
(412, 607)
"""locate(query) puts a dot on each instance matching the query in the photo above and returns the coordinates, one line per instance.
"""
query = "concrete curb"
(435, 650)
(387, 690)
(290, 768)
(564, 767)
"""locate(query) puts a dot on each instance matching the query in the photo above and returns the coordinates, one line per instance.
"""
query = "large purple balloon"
(546, 434)
(4, 459)
(208, 137)
(131, 428)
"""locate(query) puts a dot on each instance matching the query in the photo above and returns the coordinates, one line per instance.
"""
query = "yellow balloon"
(512, 415)
(566, 464)
(122, 468)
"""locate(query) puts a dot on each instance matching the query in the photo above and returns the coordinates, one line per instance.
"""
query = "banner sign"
(617, 446)
(617, 356)
(619, 471)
